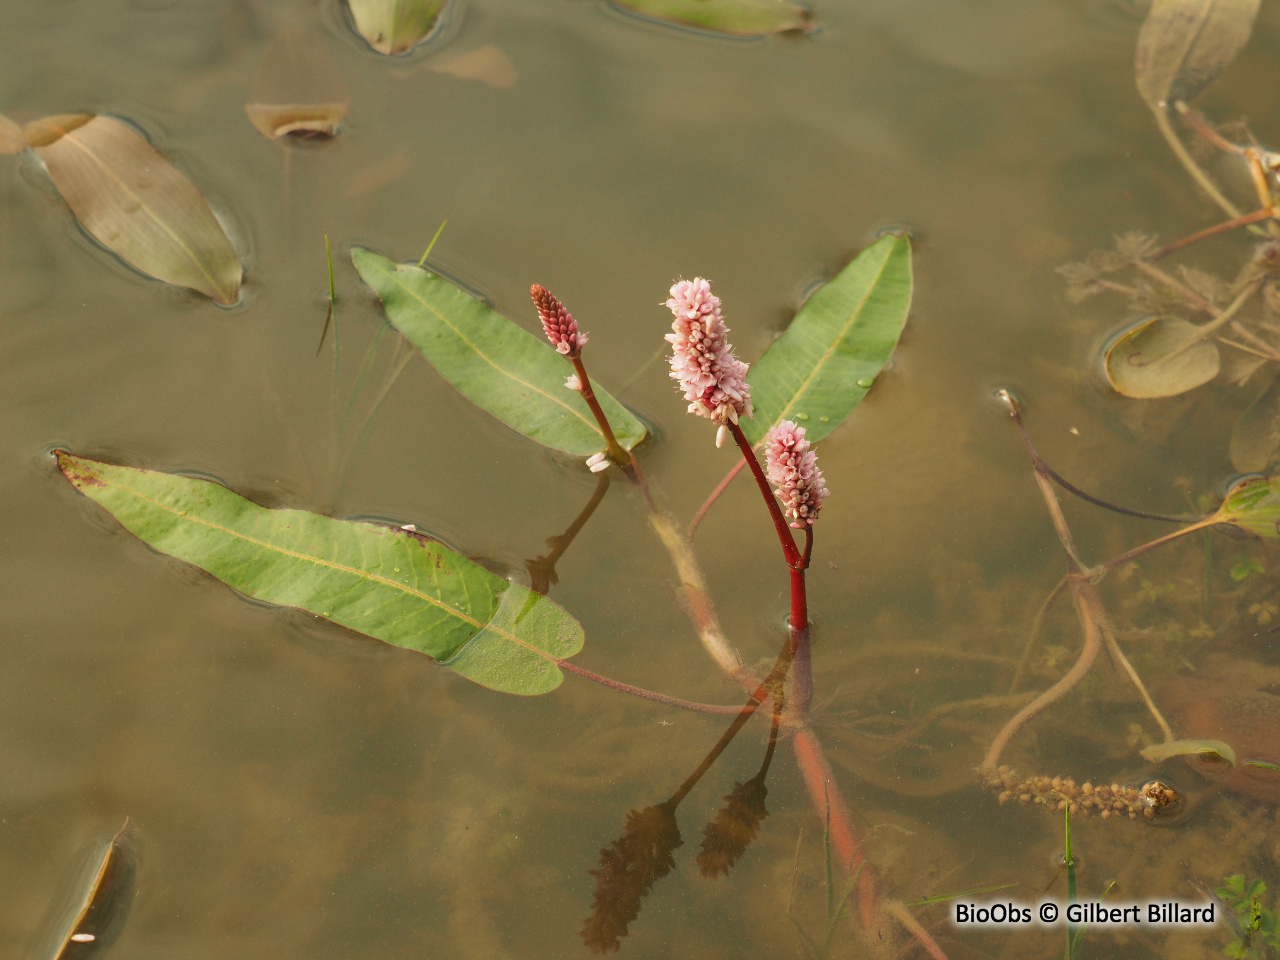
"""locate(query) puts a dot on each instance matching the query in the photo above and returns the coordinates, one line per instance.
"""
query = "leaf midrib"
(453, 611)
(826, 355)
(484, 356)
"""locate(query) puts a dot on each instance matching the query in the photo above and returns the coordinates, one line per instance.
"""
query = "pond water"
(301, 791)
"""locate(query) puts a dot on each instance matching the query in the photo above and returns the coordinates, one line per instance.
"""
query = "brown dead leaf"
(298, 91)
(488, 64)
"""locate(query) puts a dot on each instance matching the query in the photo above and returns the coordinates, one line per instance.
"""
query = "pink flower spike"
(573, 383)
(793, 470)
(714, 381)
(557, 323)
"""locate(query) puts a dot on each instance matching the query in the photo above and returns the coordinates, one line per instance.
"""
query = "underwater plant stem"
(1189, 163)
(798, 635)
(1242, 221)
(1193, 298)
(1261, 347)
(779, 521)
(1128, 555)
(1108, 634)
(715, 495)
(644, 694)
(616, 452)
(1088, 653)
(898, 910)
(1036, 624)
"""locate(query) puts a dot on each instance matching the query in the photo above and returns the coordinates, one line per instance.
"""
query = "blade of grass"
(956, 896)
(426, 253)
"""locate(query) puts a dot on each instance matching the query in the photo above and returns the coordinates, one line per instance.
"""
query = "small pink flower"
(573, 383)
(557, 322)
(714, 381)
(793, 470)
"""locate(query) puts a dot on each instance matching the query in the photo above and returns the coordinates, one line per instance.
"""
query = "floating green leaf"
(11, 138)
(394, 26)
(1182, 748)
(385, 582)
(498, 366)
(1253, 505)
(1185, 44)
(136, 204)
(1161, 357)
(823, 365)
(740, 18)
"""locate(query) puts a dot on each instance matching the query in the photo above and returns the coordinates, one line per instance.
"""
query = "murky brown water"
(300, 792)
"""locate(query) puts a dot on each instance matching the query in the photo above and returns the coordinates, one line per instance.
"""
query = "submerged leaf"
(1253, 505)
(97, 915)
(1183, 748)
(386, 582)
(726, 838)
(11, 138)
(1161, 357)
(136, 204)
(825, 362)
(498, 366)
(394, 26)
(1255, 440)
(1185, 44)
(487, 64)
(629, 867)
(298, 91)
(741, 18)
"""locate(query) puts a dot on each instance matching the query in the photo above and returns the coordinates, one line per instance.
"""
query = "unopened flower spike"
(598, 462)
(558, 323)
(793, 470)
(714, 381)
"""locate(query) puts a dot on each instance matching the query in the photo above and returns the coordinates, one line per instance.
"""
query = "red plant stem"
(779, 521)
(801, 669)
(620, 456)
(715, 495)
(644, 694)
(828, 801)
(1265, 214)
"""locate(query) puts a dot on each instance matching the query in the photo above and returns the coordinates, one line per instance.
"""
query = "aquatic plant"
(1256, 928)
(401, 586)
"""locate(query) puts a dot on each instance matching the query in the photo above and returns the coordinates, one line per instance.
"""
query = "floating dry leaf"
(133, 202)
(1185, 44)
(298, 91)
(1186, 748)
(394, 26)
(487, 64)
(99, 911)
(11, 138)
(1161, 357)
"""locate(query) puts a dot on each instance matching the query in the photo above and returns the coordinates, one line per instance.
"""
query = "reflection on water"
(300, 792)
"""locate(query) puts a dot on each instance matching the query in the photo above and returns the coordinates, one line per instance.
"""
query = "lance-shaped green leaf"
(740, 18)
(1253, 505)
(498, 366)
(385, 582)
(825, 362)
(394, 26)
(1185, 44)
(136, 204)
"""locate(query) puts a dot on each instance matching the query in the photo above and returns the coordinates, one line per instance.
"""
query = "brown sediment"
(1150, 801)
(1238, 702)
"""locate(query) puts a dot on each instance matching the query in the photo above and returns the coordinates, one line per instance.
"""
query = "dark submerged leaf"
(498, 366)
(1161, 357)
(382, 581)
(1255, 440)
(823, 365)
(726, 838)
(1184, 45)
(629, 867)
(136, 204)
